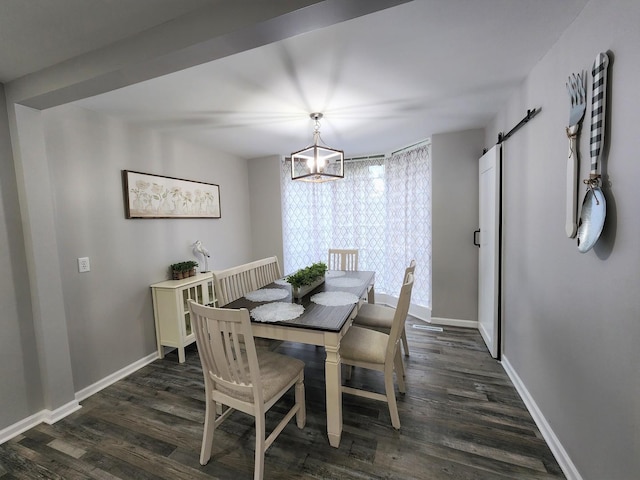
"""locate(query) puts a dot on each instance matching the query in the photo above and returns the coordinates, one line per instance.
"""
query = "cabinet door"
(194, 293)
(211, 298)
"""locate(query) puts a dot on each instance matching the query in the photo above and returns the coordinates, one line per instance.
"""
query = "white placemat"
(266, 295)
(277, 312)
(334, 299)
(344, 282)
(281, 281)
(334, 273)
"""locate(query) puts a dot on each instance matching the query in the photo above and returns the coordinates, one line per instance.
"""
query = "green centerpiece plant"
(306, 279)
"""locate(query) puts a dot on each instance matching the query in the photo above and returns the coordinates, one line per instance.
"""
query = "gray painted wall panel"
(266, 208)
(572, 320)
(38, 215)
(109, 309)
(454, 202)
(21, 392)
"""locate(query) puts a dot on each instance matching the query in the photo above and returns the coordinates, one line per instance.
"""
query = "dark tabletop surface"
(317, 317)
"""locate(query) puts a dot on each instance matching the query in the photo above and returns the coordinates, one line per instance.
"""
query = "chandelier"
(317, 163)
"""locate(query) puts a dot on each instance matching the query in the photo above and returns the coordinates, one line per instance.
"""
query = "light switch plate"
(84, 265)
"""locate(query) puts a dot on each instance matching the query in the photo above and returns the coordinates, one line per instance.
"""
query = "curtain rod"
(530, 114)
(369, 157)
(425, 141)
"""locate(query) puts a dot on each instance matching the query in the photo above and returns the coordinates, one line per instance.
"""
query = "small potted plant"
(306, 279)
(182, 270)
(190, 266)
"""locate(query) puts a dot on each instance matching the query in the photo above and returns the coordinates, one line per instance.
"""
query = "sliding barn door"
(489, 255)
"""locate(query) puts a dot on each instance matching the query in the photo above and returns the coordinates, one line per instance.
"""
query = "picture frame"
(147, 195)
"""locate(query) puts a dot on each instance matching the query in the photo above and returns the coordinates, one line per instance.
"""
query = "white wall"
(572, 320)
(454, 210)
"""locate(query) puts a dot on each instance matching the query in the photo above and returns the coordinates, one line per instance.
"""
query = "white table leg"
(333, 381)
(371, 296)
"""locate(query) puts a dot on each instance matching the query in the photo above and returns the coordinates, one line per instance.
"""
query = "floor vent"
(428, 327)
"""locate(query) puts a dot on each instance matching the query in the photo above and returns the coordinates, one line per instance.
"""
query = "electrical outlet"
(84, 265)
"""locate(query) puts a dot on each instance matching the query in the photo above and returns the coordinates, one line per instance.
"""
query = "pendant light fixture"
(317, 163)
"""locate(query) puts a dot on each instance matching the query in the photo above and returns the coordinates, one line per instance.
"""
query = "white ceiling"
(383, 81)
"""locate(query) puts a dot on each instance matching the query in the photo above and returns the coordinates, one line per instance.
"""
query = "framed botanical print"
(157, 196)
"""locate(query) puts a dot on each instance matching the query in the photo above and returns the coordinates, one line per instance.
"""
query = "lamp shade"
(317, 163)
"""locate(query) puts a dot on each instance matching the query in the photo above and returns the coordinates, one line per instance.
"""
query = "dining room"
(79, 344)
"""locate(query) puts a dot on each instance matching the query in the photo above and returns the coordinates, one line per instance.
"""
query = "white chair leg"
(399, 364)
(399, 368)
(207, 435)
(391, 398)
(258, 471)
(301, 414)
(405, 344)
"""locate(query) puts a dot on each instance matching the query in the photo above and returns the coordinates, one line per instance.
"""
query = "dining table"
(321, 317)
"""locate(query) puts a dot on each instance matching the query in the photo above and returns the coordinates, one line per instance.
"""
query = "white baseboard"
(454, 322)
(52, 416)
(567, 466)
(21, 426)
(417, 311)
(46, 416)
(424, 313)
(420, 312)
(114, 377)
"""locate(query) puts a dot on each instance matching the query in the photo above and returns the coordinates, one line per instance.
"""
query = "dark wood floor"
(461, 419)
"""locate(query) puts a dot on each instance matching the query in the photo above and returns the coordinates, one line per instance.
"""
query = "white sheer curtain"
(382, 207)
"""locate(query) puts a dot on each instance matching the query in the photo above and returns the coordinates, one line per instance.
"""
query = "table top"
(315, 316)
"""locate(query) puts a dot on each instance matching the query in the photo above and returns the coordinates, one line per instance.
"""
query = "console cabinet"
(171, 310)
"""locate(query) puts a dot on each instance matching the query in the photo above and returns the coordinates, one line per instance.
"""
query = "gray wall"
(454, 200)
(109, 311)
(105, 321)
(266, 207)
(572, 320)
(21, 392)
(48, 328)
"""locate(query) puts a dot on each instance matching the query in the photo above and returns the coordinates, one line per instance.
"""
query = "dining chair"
(235, 282)
(242, 378)
(265, 271)
(380, 317)
(343, 259)
(232, 283)
(366, 348)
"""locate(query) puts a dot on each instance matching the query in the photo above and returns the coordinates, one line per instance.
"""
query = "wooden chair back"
(410, 269)
(232, 283)
(236, 282)
(399, 317)
(227, 352)
(343, 259)
(265, 271)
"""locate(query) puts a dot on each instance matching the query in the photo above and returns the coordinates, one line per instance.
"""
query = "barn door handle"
(475, 236)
